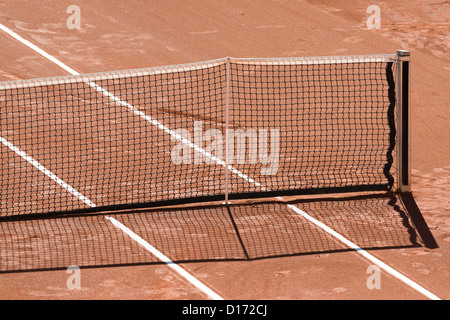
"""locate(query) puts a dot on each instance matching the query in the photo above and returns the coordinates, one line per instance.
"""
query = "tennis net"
(228, 128)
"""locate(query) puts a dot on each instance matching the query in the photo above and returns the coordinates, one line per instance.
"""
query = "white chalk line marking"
(37, 49)
(364, 253)
(47, 172)
(186, 275)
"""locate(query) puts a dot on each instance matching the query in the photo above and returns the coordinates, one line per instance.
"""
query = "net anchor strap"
(227, 122)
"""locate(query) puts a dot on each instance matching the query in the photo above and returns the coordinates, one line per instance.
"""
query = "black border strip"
(202, 199)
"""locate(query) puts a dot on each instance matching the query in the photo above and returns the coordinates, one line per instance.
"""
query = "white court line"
(116, 223)
(333, 233)
(38, 50)
(131, 234)
(47, 172)
(365, 254)
(194, 281)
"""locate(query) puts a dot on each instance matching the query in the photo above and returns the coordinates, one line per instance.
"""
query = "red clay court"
(103, 166)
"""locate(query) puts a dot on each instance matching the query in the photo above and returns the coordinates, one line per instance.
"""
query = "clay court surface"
(411, 235)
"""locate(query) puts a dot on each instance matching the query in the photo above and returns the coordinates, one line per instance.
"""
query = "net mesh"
(152, 136)
(333, 123)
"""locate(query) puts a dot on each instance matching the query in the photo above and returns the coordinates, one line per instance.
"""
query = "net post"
(227, 117)
(404, 120)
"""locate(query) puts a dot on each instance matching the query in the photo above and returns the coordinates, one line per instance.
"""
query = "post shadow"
(418, 220)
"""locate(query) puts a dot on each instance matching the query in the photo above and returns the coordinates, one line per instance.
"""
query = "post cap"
(403, 53)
